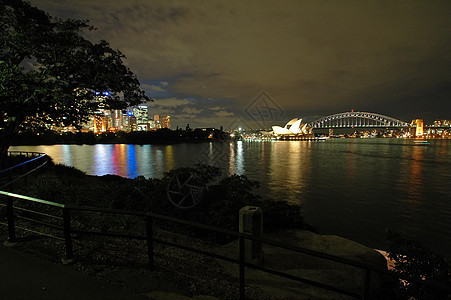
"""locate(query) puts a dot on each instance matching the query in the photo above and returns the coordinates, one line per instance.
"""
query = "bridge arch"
(357, 119)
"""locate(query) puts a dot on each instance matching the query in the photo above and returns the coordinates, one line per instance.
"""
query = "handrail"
(67, 208)
(225, 232)
(23, 197)
(11, 181)
(9, 171)
(41, 155)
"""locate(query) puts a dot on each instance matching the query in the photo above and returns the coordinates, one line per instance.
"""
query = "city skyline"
(204, 62)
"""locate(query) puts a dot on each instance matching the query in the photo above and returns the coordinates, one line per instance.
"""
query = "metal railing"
(150, 238)
(35, 161)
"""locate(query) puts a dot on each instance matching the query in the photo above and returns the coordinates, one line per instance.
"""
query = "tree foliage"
(416, 260)
(50, 73)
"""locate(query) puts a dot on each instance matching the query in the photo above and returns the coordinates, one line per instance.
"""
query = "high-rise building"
(162, 121)
(116, 120)
(157, 121)
(132, 123)
(166, 122)
(141, 114)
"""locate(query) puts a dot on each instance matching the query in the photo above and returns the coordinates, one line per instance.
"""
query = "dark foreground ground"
(26, 276)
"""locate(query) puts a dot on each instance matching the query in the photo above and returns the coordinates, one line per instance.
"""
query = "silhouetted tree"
(50, 73)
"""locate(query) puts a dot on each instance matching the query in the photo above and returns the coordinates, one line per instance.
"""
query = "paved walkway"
(26, 276)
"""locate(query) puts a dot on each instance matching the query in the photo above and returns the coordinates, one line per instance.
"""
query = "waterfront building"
(293, 127)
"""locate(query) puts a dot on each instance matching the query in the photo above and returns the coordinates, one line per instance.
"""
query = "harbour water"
(355, 188)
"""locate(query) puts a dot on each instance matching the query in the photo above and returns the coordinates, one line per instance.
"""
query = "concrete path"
(26, 276)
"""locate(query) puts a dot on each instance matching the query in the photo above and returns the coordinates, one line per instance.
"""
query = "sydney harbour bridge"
(357, 119)
(295, 128)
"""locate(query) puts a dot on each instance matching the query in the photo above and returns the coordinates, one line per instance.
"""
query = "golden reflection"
(120, 160)
(158, 159)
(295, 155)
(169, 157)
(66, 155)
(415, 174)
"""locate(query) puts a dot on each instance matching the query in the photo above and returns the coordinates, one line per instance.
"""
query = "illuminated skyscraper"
(166, 122)
(116, 120)
(162, 121)
(141, 113)
(157, 120)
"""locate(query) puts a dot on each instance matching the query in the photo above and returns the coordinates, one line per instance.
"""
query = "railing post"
(10, 217)
(67, 237)
(26, 170)
(242, 292)
(149, 235)
(366, 291)
(10, 178)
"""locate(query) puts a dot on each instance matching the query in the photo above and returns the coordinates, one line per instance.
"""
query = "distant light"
(239, 129)
(106, 93)
(129, 113)
(97, 93)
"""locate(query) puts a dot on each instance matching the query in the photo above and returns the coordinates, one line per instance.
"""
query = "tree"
(50, 73)
(413, 258)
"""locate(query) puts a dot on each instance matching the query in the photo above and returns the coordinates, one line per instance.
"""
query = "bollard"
(251, 222)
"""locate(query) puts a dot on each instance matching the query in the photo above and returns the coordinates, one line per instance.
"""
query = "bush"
(219, 207)
(416, 260)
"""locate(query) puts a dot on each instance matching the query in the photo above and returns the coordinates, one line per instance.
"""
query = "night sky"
(206, 62)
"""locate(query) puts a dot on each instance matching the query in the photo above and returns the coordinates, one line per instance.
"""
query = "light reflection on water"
(350, 187)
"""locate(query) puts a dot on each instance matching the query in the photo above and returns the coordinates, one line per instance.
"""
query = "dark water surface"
(355, 188)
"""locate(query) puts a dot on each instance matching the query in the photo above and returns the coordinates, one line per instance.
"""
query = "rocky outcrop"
(312, 268)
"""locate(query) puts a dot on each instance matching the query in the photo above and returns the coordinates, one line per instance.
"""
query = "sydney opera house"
(293, 127)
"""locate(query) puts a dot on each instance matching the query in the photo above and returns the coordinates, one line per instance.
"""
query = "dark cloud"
(312, 57)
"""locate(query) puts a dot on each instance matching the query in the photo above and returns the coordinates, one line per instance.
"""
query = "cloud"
(224, 113)
(313, 57)
(153, 88)
(191, 110)
(171, 102)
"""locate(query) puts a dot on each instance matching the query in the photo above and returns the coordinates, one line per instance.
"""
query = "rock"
(312, 268)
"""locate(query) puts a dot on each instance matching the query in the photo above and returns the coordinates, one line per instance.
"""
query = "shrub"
(416, 260)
